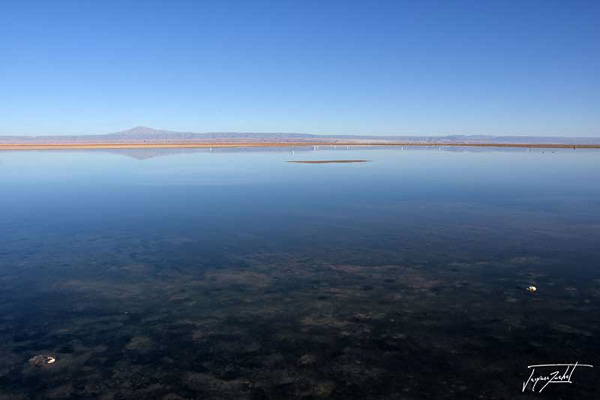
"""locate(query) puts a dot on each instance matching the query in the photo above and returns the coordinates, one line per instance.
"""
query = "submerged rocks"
(307, 359)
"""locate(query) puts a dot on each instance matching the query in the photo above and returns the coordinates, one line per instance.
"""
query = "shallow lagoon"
(234, 274)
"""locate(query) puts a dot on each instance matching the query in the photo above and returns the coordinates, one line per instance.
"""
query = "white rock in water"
(42, 360)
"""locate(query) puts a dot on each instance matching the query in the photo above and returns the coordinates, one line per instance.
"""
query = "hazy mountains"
(141, 134)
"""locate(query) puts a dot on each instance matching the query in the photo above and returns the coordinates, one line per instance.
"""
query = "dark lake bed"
(236, 275)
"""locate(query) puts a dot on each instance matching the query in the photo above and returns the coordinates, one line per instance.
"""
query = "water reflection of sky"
(46, 184)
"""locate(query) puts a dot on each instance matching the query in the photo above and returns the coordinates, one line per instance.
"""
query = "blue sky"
(339, 67)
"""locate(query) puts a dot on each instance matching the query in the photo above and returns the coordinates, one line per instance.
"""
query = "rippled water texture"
(238, 275)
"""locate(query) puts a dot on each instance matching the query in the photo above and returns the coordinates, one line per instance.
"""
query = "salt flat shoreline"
(68, 146)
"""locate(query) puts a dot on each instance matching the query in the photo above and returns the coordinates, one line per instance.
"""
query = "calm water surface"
(154, 274)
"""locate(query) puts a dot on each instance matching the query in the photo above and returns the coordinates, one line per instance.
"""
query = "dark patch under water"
(328, 161)
(230, 276)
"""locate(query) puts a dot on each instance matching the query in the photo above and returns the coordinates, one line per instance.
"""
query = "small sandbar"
(328, 161)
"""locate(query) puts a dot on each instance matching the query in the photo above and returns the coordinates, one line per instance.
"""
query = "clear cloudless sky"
(529, 67)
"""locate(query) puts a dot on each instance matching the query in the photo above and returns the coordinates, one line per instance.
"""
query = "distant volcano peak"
(141, 130)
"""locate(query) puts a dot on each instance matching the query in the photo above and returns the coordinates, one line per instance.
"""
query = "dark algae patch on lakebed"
(328, 161)
(263, 284)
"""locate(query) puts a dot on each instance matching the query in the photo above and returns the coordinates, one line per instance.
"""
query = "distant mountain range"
(142, 134)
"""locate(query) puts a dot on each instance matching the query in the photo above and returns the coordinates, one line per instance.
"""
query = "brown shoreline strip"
(328, 161)
(183, 145)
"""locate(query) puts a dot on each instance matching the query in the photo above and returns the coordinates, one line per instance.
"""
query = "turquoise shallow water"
(234, 274)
